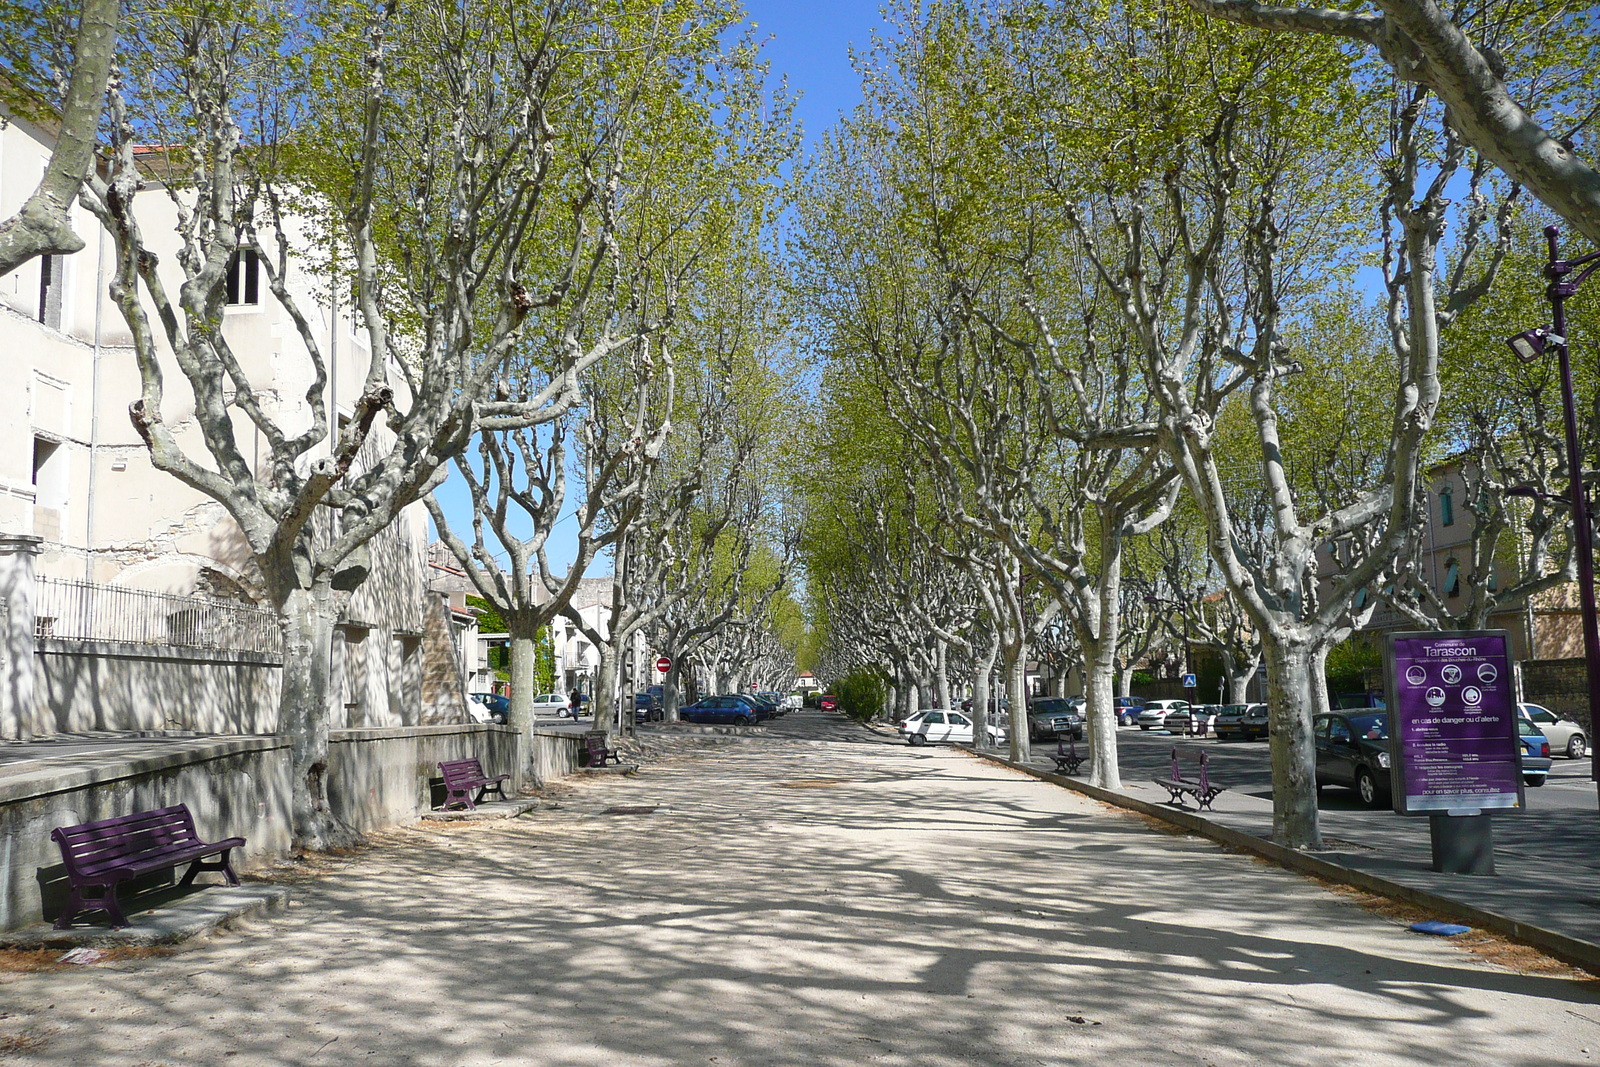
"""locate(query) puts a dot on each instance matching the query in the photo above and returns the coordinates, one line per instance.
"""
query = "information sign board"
(1452, 722)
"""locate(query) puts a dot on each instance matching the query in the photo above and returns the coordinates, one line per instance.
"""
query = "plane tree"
(453, 223)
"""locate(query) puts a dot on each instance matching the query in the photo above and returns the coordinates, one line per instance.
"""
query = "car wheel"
(1533, 779)
(917, 739)
(1367, 788)
(743, 720)
(1577, 745)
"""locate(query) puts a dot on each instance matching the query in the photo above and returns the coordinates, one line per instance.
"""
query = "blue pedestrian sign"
(1188, 681)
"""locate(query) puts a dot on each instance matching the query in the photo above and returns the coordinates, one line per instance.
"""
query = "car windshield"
(1371, 727)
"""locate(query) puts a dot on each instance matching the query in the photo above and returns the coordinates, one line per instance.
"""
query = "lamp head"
(1529, 344)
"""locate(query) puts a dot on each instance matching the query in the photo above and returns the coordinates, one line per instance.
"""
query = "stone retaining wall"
(237, 786)
(107, 685)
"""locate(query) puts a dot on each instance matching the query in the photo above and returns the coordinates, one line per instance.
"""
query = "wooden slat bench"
(596, 753)
(1199, 787)
(100, 856)
(462, 776)
(1067, 759)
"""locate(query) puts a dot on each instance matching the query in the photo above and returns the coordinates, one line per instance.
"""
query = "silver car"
(1154, 715)
(1564, 735)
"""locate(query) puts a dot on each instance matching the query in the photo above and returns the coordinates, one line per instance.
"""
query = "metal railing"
(88, 611)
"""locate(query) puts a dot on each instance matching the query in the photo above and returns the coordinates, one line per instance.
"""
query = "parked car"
(1195, 720)
(828, 702)
(1054, 718)
(491, 706)
(1564, 735)
(942, 724)
(1154, 714)
(551, 704)
(1353, 751)
(719, 711)
(760, 710)
(772, 700)
(1242, 721)
(1536, 759)
(1128, 709)
(647, 708)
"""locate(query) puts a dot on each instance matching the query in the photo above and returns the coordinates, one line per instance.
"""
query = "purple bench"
(463, 776)
(596, 754)
(1199, 787)
(100, 856)
(1067, 759)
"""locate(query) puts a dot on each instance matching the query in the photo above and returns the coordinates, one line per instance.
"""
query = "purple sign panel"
(1453, 722)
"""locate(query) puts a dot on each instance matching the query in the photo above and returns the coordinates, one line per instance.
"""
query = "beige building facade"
(75, 476)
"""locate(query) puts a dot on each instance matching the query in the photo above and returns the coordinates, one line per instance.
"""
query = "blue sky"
(809, 42)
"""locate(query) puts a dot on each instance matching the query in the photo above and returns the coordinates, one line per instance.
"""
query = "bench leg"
(223, 865)
(79, 902)
(463, 797)
(499, 791)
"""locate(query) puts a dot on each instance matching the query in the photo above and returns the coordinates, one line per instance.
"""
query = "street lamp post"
(1565, 276)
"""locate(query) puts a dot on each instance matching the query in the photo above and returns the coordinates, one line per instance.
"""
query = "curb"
(167, 917)
(1568, 949)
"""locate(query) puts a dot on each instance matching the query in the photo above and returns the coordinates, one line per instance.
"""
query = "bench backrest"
(596, 743)
(460, 770)
(1199, 756)
(92, 847)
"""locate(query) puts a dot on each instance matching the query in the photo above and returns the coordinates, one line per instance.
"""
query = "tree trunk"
(982, 669)
(671, 696)
(941, 674)
(1292, 701)
(604, 698)
(307, 617)
(1239, 679)
(1016, 692)
(1124, 680)
(524, 687)
(1100, 672)
(524, 675)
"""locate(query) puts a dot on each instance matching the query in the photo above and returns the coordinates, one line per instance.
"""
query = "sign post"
(1453, 729)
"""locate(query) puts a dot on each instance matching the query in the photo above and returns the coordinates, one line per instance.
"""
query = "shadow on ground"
(795, 901)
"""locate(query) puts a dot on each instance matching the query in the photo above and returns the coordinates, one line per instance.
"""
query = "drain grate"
(631, 809)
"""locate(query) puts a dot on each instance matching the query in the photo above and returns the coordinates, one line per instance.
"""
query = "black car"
(1353, 751)
(647, 708)
(1054, 718)
(1242, 721)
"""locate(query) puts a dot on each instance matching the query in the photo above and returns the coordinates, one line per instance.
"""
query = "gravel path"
(812, 902)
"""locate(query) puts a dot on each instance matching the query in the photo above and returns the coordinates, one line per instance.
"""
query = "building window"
(1452, 578)
(49, 473)
(50, 287)
(244, 279)
(1447, 507)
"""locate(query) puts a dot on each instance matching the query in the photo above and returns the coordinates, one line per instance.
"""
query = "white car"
(1154, 715)
(943, 724)
(546, 703)
(1564, 735)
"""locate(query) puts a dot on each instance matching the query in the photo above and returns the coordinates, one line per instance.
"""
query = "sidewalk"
(1552, 902)
(791, 901)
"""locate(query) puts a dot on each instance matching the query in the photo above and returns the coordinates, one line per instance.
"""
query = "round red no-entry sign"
(663, 664)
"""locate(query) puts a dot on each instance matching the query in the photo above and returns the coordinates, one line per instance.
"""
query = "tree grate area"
(630, 809)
